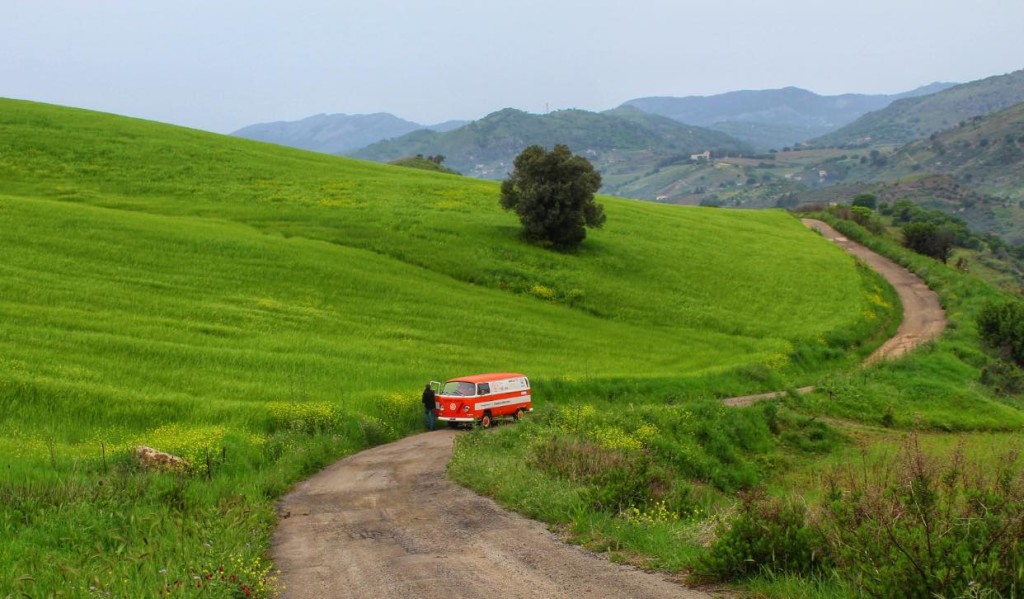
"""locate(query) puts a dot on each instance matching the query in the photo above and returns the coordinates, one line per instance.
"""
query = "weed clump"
(767, 535)
(927, 527)
(616, 480)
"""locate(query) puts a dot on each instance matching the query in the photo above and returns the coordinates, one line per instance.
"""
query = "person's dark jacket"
(429, 403)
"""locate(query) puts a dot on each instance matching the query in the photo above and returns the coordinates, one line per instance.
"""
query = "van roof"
(483, 378)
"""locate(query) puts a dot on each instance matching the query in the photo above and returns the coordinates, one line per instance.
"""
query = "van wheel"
(518, 415)
(485, 420)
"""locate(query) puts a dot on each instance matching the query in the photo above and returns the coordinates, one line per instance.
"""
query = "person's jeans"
(428, 417)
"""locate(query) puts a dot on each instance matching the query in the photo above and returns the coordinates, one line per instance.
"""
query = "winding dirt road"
(923, 317)
(387, 523)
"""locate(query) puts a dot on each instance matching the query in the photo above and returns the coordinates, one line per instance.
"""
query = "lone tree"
(553, 194)
(929, 239)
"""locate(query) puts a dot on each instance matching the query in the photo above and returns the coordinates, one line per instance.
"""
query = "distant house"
(661, 198)
(705, 155)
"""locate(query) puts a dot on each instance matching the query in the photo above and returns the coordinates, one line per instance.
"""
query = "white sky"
(223, 64)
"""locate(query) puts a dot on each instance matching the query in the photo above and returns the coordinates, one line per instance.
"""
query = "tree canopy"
(553, 195)
(929, 239)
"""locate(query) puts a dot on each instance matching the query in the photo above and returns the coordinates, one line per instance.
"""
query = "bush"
(616, 480)
(1001, 326)
(768, 535)
(925, 527)
(929, 240)
(865, 200)
(1003, 377)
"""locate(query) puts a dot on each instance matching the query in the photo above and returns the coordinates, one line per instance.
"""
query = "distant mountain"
(916, 118)
(773, 118)
(622, 143)
(336, 133)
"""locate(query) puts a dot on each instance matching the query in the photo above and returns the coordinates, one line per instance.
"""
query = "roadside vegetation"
(262, 311)
(898, 480)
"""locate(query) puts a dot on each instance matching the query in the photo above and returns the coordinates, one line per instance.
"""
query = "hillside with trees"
(620, 143)
(916, 118)
(773, 118)
(985, 154)
(974, 170)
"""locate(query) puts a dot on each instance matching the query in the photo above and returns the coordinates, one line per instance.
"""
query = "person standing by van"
(429, 404)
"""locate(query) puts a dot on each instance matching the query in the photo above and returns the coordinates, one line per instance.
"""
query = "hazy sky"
(223, 64)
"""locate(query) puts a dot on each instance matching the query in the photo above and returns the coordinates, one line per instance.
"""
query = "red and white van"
(482, 398)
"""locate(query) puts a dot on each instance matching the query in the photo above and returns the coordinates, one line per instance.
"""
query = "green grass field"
(262, 311)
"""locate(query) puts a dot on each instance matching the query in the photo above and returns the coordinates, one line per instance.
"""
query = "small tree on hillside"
(1002, 327)
(553, 194)
(865, 200)
(929, 239)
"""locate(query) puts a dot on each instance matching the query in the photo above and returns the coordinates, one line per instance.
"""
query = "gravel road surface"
(387, 523)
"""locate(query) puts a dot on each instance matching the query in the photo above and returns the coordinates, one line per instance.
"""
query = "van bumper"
(455, 419)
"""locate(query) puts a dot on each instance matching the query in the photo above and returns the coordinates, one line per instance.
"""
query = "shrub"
(616, 480)
(925, 527)
(865, 200)
(929, 239)
(1001, 326)
(768, 535)
(1003, 377)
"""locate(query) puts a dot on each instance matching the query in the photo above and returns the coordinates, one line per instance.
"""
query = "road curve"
(923, 317)
(387, 523)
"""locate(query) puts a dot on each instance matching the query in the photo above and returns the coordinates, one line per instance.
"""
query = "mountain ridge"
(774, 117)
(336, 133)
(612, 140)
(908, 119)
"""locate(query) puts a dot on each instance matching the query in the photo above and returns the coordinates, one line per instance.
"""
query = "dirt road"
(386, 522)
(923, 318)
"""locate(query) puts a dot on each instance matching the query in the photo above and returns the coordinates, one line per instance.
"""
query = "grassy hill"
(261, 311)
(916, 118)
(621, 143)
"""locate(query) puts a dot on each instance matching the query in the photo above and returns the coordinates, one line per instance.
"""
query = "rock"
(153, 458)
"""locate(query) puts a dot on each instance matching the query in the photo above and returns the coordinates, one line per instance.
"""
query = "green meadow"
(262, 311)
